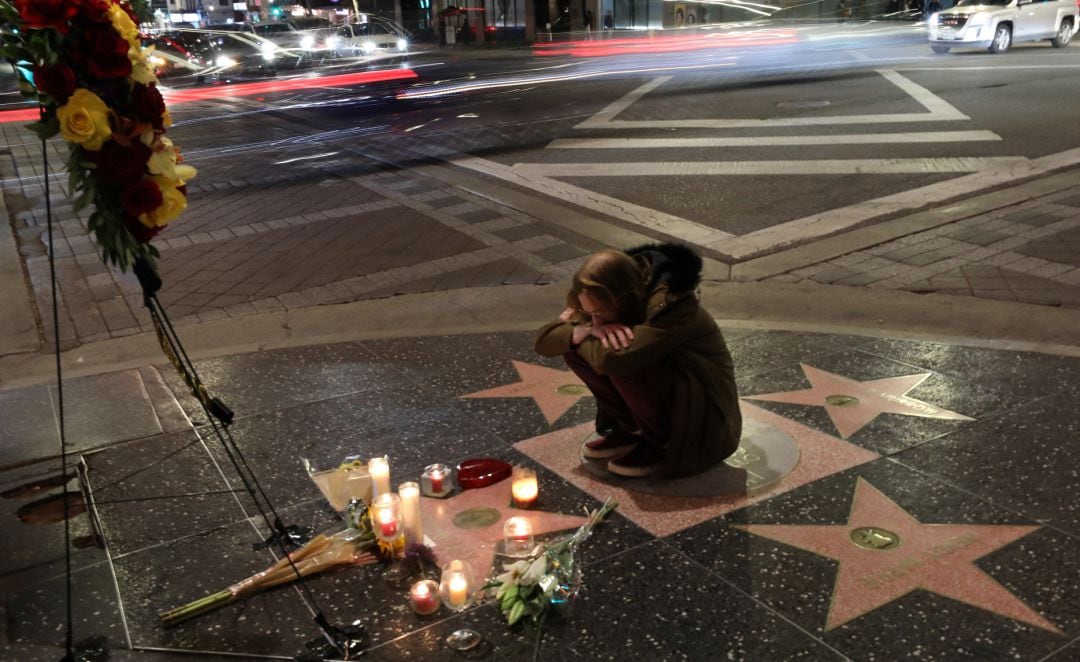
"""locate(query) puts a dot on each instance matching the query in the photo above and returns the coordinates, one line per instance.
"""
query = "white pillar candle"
(410, 512)
(379, 470)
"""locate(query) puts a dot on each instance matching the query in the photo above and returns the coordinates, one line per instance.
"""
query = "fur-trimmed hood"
(676, 264)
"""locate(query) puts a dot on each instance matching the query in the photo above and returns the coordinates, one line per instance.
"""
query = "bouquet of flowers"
(548, 579)
(353, 545)
(83, 62)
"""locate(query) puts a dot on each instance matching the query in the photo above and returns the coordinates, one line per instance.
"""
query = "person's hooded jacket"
(706, 421)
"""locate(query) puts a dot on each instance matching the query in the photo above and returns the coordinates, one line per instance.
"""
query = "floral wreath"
(82, 61)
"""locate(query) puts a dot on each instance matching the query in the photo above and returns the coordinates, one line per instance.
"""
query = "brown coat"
(706, 421)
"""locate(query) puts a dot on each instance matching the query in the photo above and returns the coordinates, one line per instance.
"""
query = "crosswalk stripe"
(808, 167)
(776, 141)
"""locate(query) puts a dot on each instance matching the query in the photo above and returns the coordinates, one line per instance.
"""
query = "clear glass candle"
(386, 517)
(437, 480)
(517, 536)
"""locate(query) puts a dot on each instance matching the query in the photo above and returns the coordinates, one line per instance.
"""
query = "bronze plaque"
(873, 537)
(841, 400)
(572, 389)
(476, 518)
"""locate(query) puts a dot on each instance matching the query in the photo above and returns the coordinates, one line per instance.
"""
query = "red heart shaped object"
(481, 472)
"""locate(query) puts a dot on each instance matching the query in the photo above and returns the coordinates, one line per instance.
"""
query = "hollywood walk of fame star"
(851, 404)
(477, 546)
(884, 553)
(555, 391)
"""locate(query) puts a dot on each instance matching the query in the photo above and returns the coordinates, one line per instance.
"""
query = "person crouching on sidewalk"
(634, 332)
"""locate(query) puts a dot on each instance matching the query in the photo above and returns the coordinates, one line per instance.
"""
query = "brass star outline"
(933, 557)
(851, 404)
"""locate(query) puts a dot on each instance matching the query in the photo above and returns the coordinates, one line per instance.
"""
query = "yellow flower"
(163, 160)
(123, 24)
(140, 65)
(184, 172)
(84, 120)
(173, 203)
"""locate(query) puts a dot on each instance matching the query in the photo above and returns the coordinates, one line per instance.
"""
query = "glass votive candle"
(457, 586)
(386, 517)
(436, 480)
(523, 487)
(517, 536)
(424, 597)
(379, 470)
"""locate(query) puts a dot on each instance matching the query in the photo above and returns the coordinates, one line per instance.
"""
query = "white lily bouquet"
(548, 579)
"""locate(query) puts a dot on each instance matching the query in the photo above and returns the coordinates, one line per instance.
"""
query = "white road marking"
(625, 211)
(835, 220)
(938, 110)
(808, 167)
(776, 141)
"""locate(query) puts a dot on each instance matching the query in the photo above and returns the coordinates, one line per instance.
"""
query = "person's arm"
(651, 341)
(562, 335)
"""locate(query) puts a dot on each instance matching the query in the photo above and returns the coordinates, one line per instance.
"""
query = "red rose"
(96, 11)
(142, 234)
(120, 165)
(142, 197)
(147, 104)
(53, 14)
(103, 53)
(58, 81)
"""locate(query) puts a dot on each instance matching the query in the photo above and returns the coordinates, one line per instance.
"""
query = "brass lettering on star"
(906, 566)
(842, 400)
(572, 389)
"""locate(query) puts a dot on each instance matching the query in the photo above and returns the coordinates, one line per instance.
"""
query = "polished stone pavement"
(928, 513)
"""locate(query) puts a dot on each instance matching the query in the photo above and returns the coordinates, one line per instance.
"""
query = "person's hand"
(613, 335)
(567, 315)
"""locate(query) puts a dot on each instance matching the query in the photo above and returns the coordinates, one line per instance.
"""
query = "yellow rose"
(163, 159)
(184, 172)
(84, 120)
(123, 24)
(173, 203)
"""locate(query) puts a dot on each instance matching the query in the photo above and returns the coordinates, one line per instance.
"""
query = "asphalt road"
(775, 129)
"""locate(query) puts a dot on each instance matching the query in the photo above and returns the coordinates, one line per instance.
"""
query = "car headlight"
(934, 20)
(402, 45)
(331, 42)
(224, 62)
(368, 46)
(975, 20)
(269, 51)
(307, 42)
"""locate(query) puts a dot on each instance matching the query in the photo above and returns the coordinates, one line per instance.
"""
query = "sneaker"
(609, 445)
(644, 460)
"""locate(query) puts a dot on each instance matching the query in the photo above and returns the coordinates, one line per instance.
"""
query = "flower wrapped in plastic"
(548, 579)
(354, 545)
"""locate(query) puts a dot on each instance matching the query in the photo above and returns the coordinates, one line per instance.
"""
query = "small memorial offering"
(386, 517)
(379, 468)
(517, 536)
(524, 488)
(436, 481)
(409, 493)
(424, 597)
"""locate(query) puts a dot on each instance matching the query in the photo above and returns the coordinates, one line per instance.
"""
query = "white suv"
(996, 24)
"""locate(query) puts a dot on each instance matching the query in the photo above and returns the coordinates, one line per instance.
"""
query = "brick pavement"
(321, 235)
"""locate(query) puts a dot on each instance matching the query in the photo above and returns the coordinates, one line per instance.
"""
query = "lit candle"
(457, 585)
(424, 597)
(386, 516)
(517, 536)
(435, 481)
(524, 488)
(459, 591)
(379, 469)
(410, 512)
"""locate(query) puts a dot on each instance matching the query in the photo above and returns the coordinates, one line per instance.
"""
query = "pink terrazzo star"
(544, 385)
(478, 546)
(851, 404)
(912, 555)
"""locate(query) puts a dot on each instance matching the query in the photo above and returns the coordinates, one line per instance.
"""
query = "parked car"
(377, 35)
(998, 24)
